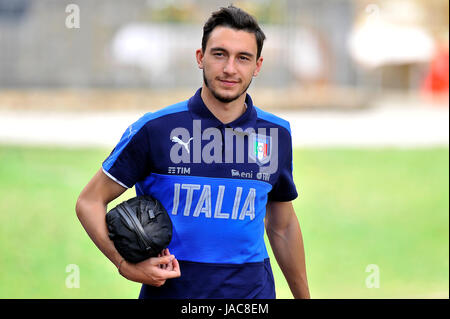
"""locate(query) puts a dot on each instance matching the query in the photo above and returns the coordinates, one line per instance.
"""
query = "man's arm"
(285, 237)
(91, 209)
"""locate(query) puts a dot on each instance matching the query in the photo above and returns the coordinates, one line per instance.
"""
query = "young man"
(223, 170)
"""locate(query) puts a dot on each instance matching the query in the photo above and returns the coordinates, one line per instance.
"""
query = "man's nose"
(230, 67)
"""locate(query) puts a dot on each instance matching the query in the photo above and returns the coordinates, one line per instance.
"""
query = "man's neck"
(224, 112)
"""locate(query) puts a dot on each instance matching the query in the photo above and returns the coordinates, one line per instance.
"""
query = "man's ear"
(258, 66)
(199, 57)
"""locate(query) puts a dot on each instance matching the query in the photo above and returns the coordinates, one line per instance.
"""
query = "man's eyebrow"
(224, 50)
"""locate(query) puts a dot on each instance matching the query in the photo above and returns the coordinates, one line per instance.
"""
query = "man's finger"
(159, 255)
(176, 268)
(171, 274)
(162, 260)
(174, 271)
(176, 265)
(164, 274)
(169, 266)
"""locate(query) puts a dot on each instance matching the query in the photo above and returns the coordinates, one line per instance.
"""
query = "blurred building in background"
(333, 53)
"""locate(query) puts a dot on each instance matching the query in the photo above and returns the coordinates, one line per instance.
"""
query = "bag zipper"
(136, 227)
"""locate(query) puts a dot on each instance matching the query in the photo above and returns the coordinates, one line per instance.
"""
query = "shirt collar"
(199, 111)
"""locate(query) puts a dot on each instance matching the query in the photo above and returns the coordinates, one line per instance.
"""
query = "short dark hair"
(234, 18)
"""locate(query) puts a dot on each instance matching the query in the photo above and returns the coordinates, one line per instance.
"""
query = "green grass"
(355, 207)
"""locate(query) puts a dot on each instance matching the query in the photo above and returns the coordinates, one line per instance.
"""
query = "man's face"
(229, 62)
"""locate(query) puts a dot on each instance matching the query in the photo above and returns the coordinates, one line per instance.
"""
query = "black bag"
(140, 228)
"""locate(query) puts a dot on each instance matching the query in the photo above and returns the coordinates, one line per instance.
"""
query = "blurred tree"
(174, 12)
(266, 11)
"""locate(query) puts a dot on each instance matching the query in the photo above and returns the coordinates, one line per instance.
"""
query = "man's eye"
(244, 58)
(218, 54)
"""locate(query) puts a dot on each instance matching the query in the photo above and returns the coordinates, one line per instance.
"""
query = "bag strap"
(132, 221)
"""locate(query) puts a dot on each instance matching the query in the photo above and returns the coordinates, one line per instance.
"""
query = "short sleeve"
(284, 188)
(129, 161)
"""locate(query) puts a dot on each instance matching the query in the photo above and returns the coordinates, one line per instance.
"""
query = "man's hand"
(153, 271)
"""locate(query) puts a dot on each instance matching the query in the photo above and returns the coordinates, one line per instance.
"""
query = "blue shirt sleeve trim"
(114, 179)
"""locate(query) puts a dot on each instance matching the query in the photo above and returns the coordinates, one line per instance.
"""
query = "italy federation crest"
(260, 148)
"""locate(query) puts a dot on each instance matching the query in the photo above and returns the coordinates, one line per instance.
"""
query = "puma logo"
(185, 145)
(130, 131)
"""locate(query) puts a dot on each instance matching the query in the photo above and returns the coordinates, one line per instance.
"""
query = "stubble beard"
(220, 97)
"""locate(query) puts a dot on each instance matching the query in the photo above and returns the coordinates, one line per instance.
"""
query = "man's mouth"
(228, 83)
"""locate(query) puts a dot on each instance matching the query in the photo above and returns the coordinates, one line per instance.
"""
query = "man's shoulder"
(155, 120)
(270, 117)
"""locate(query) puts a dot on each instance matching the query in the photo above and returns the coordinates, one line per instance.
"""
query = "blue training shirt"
(214, 180)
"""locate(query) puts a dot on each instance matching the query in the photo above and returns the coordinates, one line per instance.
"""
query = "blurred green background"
(386, 207)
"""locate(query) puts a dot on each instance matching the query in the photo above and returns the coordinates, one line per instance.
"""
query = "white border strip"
(114, 179)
